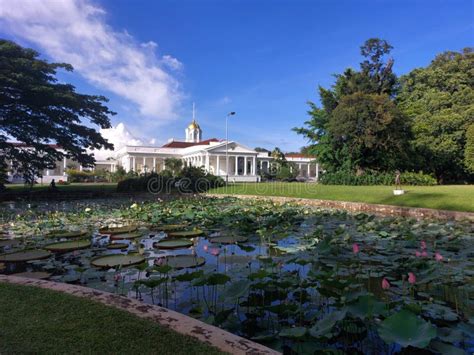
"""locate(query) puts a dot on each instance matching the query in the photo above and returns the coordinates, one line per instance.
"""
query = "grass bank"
(74, 187)
(444, 197)
(39, 321)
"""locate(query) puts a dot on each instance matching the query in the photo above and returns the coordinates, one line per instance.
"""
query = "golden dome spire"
(194, 125)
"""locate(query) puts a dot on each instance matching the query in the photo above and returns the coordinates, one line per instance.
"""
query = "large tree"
(357, 126)
(40, 114)
(439, 100)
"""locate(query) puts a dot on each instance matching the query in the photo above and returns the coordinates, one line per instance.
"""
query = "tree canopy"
(41, 113)
(439, 102)
(358, 126)
(371, 120)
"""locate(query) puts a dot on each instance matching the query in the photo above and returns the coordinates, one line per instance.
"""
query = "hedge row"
(190, 180)
(376, 178)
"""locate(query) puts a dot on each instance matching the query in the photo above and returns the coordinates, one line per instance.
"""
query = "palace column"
(207, 163)
(154, 164)
(254, 166)
(309, 170)
(218, 165)
(236, 165)
(144, 163)
(133, 164)
(245, 165)
(317, 172)
(299, 170)
(64, 165)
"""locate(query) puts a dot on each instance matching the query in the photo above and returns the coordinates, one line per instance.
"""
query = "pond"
(299, 280)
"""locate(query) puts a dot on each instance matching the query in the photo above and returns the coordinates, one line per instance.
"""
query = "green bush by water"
(376, 178)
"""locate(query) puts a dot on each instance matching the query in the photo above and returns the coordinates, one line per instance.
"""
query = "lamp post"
(227, 147)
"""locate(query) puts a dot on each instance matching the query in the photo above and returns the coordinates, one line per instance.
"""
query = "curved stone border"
(178, 322)
(384, 210)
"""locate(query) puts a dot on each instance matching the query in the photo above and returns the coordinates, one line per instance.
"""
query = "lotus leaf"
(8, 242)
(326, 324)
(406, 329)
(295, 333)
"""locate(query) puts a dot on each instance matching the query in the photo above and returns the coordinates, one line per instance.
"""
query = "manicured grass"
(79, 187)
(39, 321)
(445, 197)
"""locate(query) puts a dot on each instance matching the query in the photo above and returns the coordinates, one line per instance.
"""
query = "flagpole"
(227, 147)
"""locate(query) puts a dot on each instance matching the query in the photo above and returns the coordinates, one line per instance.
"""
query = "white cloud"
(75, 32)
(119, 136)
(171, 62)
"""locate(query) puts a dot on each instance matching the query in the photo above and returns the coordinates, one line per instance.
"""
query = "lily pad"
(169, 227)
(39, 275)
(25, 255)
(126, 236)
(367, 306)
(294, 333)
(114, 260)
(8, 242)
(118, 230)
(64, 247)
(185, 261)
(228, 239)
(325, 325)
(173, 244)
(186, 234)
(406, 329)
(117, 246)
(67, 234)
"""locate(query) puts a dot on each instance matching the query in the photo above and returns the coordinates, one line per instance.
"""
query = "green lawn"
(79, 187)
(446, 197)
(39, 321)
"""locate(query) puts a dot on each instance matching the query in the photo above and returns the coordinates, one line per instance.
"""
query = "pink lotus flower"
(159, 261)
(423, 244)
(385, 284)
(411, 278)
(205, 247)
(417, 254)
(215, 251)
(117, 277)
(438, 256)
(424, 254)
(355, 248)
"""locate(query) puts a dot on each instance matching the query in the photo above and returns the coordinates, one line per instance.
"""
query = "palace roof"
(180, 144)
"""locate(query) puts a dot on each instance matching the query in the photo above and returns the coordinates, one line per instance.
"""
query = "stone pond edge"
(384, 210)
(178, 322)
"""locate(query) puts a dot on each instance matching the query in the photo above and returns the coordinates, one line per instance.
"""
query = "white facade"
(226, 159)
(230, 160)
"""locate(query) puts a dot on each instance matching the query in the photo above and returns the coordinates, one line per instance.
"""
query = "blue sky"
(263, 58)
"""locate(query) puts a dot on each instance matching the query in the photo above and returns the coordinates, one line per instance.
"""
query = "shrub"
(86, 176)
(375, 178)
(190, 180)
(420, 179)
(286, 173)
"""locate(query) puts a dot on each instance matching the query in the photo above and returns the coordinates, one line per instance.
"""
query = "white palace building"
(244, 164)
